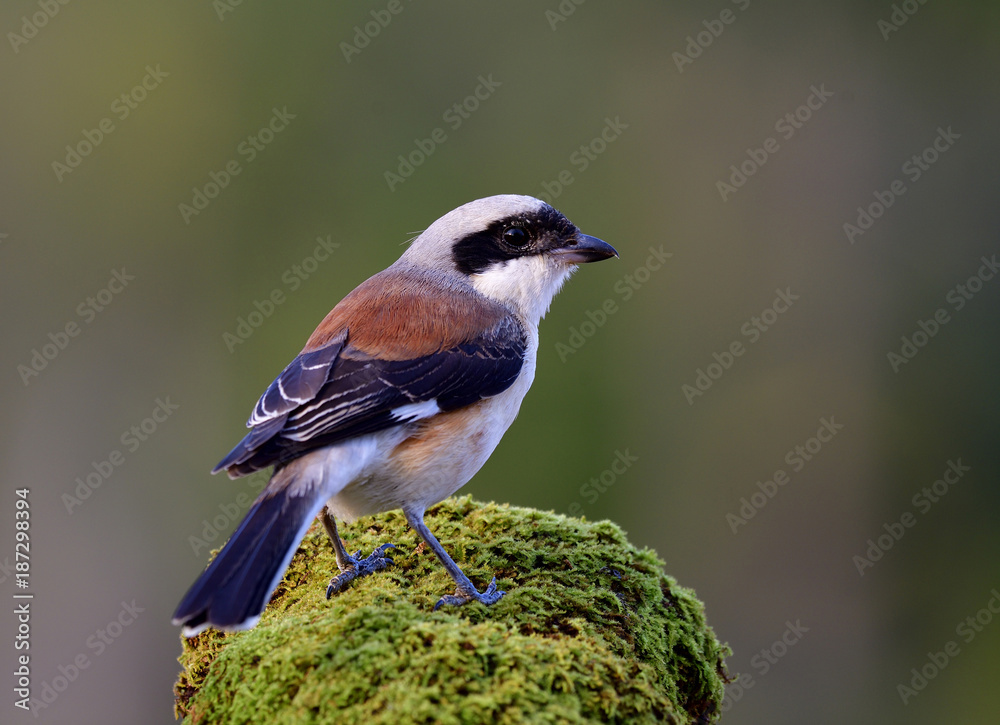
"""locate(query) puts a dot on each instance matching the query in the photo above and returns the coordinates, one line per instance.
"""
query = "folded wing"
(354, 382)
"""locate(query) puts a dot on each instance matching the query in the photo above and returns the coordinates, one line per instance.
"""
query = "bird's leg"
(465, 592)
(351, 566)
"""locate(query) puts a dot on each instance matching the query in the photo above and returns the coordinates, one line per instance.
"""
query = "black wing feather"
(337, 392)
(299, 382)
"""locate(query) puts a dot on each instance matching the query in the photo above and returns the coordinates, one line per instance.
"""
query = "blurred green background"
(691, 89)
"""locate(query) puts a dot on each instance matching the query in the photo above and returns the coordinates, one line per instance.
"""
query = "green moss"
(591, 630)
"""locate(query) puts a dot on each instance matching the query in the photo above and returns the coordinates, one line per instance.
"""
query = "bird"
(398, 398)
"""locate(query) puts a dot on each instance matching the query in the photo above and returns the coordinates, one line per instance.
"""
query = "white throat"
(526, 285)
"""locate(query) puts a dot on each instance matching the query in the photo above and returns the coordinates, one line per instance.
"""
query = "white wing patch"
(416, 411)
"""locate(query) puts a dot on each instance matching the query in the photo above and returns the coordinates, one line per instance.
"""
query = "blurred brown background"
(681, 93)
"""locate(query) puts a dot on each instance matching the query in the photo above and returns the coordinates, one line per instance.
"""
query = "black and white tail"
(232, 592)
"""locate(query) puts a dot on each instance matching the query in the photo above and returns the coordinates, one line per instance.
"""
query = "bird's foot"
(492, 595)
(376, 561)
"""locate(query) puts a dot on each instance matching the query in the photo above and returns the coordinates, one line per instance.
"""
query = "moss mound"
(591, 630)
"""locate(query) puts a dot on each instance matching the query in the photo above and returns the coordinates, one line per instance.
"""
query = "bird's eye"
(516, 237)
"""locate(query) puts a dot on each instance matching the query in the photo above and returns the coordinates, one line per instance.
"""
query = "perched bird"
(396, 401)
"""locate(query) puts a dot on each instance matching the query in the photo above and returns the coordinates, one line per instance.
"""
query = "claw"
(492, 595)
(376, 561)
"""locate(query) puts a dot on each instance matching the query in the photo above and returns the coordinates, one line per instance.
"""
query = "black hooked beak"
(582, 248)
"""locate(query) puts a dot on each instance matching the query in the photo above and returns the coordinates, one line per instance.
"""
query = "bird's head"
(515, 250)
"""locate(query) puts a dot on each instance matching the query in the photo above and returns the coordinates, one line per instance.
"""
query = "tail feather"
(232, 592)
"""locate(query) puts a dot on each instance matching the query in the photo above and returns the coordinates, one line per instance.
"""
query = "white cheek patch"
(527, 284)
(497, 282)
(416, 411)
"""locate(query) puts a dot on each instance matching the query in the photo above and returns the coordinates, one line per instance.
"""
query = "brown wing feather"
(402, 315)
(399, 338)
